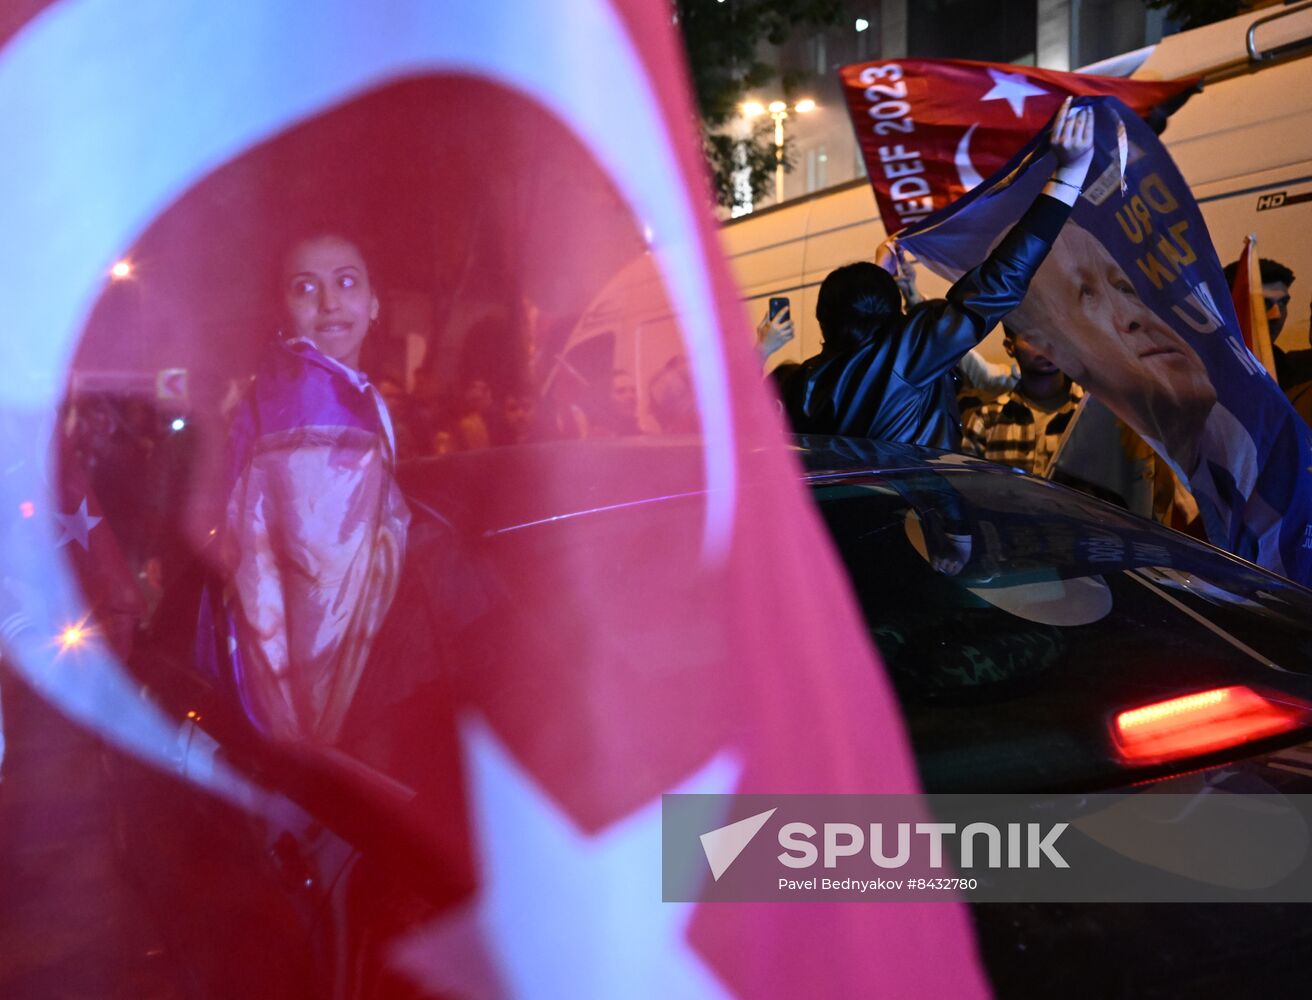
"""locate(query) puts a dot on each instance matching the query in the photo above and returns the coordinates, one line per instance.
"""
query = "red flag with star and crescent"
(932, 129)
(617, 590)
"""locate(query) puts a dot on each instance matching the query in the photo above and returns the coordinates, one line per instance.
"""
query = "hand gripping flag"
(1132, 304)
(580, 626)
(932, 129)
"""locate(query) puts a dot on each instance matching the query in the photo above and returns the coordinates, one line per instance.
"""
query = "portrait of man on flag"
(1132, 304)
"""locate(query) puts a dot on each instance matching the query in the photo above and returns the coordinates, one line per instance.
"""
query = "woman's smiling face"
(328, 297)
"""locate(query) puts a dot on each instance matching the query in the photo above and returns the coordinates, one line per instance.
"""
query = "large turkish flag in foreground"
(932, 129)
(528, 183)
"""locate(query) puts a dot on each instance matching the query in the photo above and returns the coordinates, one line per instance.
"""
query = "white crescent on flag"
(608, 676)
(115, 130)
(965, 169)
(109, 143)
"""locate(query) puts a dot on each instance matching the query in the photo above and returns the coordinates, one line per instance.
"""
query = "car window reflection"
(1065, 612)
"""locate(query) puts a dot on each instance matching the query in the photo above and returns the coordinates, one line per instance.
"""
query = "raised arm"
(940, 331)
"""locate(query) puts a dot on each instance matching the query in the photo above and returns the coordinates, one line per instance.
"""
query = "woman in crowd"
(315, 525)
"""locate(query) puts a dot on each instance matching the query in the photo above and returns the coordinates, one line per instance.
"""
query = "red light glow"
(27, 508)
(1200, 723)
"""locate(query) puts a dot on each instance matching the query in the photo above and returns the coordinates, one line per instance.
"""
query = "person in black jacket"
(886, 375)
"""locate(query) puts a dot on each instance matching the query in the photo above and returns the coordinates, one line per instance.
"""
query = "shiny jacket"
(314, 534)
(898, 386)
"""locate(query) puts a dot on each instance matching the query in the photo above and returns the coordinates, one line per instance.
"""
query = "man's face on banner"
(1083, 312)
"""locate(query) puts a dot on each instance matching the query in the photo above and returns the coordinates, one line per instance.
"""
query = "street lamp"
(778, 110)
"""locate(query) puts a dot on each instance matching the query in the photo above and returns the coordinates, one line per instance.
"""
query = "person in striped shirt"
(1023, 427)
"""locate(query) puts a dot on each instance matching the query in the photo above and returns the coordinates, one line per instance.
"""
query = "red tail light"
(1200, 723)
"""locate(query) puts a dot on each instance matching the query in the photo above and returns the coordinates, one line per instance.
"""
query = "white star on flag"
(76, 526)
(561, 911)
(1012, 88)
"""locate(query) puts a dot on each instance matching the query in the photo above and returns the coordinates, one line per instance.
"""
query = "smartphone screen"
(778, 305)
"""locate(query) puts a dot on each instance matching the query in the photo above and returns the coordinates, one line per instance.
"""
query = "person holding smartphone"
(775, 329)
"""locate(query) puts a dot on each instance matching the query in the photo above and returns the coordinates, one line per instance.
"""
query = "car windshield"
(1016, 619)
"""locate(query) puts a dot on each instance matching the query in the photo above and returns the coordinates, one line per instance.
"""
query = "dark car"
(1016, 668)
(1078, 649)
(1022, 624)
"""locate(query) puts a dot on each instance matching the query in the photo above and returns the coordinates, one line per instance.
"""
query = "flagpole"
(1259, 328)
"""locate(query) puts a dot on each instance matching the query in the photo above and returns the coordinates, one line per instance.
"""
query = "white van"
(1244, 145)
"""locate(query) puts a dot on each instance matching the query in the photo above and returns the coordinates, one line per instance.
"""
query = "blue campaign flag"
(1132, 304)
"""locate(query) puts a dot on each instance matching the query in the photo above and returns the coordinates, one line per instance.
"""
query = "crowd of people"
(1017, 413)
(890, 374)
(895, 367)
(312, 437)
(430, 419)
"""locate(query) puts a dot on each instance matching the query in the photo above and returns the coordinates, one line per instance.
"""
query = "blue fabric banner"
(1132, 304)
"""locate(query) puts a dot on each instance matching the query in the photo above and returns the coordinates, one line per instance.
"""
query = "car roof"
(824, 456)
(499, 489)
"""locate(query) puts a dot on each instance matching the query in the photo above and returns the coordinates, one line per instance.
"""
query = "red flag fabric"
(111, 602)
(1250, 305)
(931, 129)
(624, 594)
